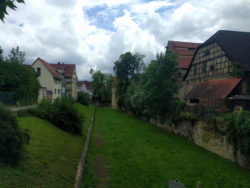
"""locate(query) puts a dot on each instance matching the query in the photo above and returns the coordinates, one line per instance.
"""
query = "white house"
(86, 87)
(50, 80)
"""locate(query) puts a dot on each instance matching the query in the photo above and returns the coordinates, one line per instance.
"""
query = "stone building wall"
(202, 135)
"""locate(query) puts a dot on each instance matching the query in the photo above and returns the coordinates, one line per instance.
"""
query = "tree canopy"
(102, 84)
(127, 68)
(18, 78)
(4, 4)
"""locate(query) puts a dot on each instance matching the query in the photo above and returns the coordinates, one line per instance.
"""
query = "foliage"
(62, 113)
(157, 156)
(18, 78)
(134, 99)
(66, 117)
(176, 108)
(16, 56)
(127, 68)
(102, 84)
(239, 131)
(53, 155)
(236, 70)
(4, 4)
(159, 83)
(83, 98)
(12, 138)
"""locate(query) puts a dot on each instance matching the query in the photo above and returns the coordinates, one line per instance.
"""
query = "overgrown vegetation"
(51, 157)
(62, 113)
(148, 92)
(12, 138)
(102, 84)
(237, 129)
(18, 78)
(138, 154)
(127, 69)
(83, 98)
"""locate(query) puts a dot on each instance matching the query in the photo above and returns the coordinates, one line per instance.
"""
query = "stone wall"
(203, 135)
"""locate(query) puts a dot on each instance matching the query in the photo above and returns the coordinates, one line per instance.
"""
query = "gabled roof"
(67, 69)
(218, 89)
(49, 67)
(184, 51)
(88, 84)
(236, 44)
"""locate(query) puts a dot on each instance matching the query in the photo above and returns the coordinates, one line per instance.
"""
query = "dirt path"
(100, 167)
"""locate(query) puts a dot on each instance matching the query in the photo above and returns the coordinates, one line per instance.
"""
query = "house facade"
(70, 78)
(49, 80)
(219, 69)
(86, 87)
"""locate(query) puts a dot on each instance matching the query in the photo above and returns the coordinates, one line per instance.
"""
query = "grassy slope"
(141, 155)
(52, 155)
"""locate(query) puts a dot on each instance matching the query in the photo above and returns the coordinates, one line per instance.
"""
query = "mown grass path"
(137, 154)
(52, 155)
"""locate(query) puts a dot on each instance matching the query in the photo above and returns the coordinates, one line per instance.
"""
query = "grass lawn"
(51, 158)
(138, 154)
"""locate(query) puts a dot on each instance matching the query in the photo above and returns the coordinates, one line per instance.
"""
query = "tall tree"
(102, 84)
(4, 4)
(18, 78)
(127, 68)
(159, 83)
(1, 54)
(16, 56)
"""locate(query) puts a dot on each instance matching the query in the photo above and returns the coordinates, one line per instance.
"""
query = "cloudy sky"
(93, 33)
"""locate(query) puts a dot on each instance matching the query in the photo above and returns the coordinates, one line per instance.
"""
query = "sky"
(94, 33)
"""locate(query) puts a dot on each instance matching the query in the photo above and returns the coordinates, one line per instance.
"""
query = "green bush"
(239, 131)
(12, 138)
(62, 113)
(83, 98)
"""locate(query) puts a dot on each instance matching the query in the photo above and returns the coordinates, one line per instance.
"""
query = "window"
(38, 70)
(206, 52)
(195, 69)
(204, 68)
(58, 91)
(212, 68)
(55, 91)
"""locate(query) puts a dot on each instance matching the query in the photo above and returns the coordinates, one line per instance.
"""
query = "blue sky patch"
(103, 16)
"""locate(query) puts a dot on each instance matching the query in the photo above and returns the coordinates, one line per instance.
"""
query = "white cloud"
(61, 31)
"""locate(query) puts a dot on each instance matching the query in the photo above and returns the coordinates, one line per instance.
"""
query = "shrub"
(44, 110)
(83, 98)
(62, 113)
(12, 138)
(239, 131)
(66, 117)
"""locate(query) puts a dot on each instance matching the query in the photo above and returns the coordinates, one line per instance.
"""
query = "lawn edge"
(81, 164)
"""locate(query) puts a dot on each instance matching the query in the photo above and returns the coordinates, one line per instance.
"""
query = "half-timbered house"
(219, 69)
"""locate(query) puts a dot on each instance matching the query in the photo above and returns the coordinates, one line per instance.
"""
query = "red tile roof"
(50, 68)
(218, 89)
(186, 49)
(68, 69)
(88, 84)
(184, 62)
